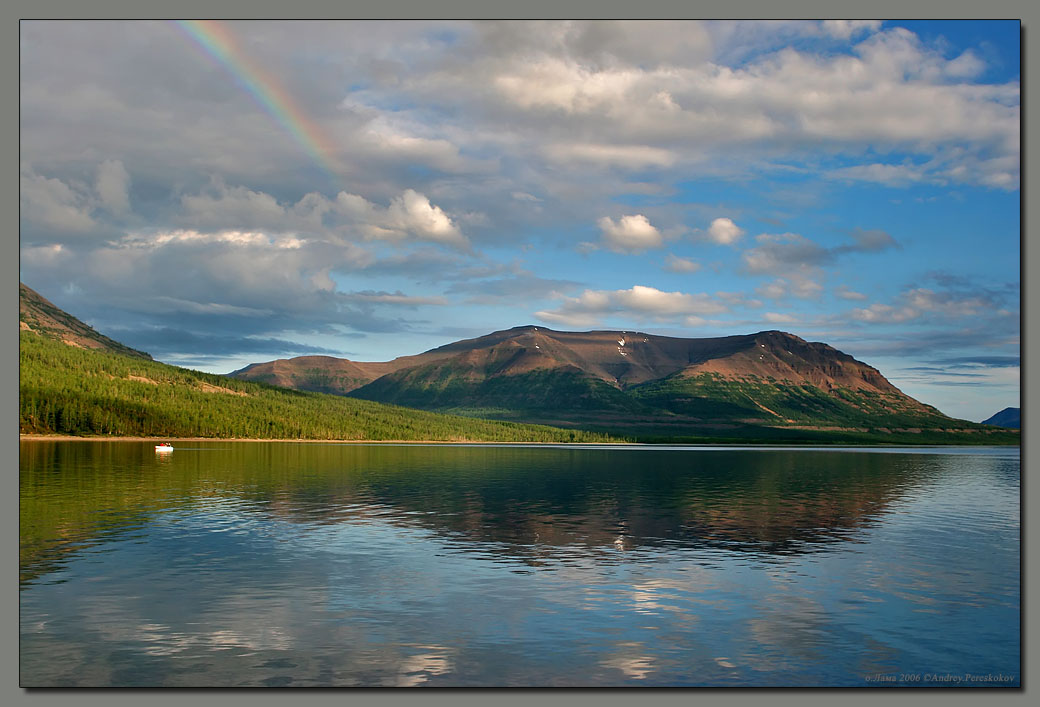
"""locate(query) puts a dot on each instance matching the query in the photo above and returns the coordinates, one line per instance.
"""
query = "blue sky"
(855, 183)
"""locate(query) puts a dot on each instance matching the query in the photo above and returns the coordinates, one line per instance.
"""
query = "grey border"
(11, 12)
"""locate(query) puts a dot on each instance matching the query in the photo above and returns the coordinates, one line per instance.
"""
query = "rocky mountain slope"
(39, 315)
(636, 382)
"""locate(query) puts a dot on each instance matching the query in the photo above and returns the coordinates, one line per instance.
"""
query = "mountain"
(1008, 417)
(40, 316)
(75, 381)
(766, 386)
(321, 374)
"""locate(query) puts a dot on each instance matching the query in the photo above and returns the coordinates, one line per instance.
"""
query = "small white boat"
(164, 447)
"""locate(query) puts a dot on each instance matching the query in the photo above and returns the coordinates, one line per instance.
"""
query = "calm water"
(252, 564)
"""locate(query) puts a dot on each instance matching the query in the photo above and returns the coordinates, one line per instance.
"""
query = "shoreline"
(74, 438)
(762, 445)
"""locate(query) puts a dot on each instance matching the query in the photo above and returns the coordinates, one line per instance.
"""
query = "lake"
(303, 564)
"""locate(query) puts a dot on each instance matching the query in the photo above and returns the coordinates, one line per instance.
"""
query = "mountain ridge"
(618, 379)
(528, 347)
(596, 387)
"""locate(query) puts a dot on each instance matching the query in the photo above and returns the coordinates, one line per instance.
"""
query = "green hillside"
(711, 395)
(69, 390)
(441, 387)
(706, 408)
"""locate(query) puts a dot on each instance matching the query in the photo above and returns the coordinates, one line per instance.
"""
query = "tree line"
(68, 390)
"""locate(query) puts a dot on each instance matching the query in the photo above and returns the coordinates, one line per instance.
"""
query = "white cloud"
(844, 29)
(724, 231)
(876, 313)
(639, 302)
(777, 318)
(674, 263)
(348, 217)
(385, 141)
(626, 156)
(891, 92)
(630, 234)
(414, 213)
(554, 83)
(968, 65)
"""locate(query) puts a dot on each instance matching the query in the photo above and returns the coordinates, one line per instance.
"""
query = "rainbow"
(219, 43)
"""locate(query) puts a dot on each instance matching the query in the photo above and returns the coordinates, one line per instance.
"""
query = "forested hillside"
(69, 390)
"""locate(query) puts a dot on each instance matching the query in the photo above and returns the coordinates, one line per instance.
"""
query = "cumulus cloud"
(412, 212)
(885, 92)
(844, 29)
(348, 216)
(455, 135)
(724, 232)
(630, 234)
(556, 83)
(639, 302)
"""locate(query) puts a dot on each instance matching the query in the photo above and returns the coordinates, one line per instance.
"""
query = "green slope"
(440, 387)
(712, 396)
(707, 408)
(68, 390)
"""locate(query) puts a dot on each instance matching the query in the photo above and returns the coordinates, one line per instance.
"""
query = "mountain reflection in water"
(528, 504)
(758, 566)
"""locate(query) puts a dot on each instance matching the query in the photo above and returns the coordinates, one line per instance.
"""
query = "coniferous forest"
(68, 390)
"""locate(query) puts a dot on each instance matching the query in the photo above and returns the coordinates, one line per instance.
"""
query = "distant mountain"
(321, 374)
(38, 315)
(1008, 417)
(769, 385)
